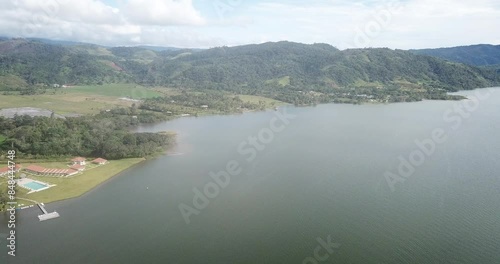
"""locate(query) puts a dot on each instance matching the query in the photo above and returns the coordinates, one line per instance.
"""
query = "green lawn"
(80, 99)
(77, 185)
(61, 103)
(133, 91)
(255, 99)
(2, 138)
(93, 99)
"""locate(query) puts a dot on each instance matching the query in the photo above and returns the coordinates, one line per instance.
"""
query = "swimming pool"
(35, 186)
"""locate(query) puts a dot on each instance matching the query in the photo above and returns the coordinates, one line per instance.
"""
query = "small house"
(79, 161)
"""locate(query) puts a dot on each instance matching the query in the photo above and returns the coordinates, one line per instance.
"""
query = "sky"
(396, 24)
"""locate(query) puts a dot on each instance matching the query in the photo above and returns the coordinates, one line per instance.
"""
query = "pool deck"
(22, 183)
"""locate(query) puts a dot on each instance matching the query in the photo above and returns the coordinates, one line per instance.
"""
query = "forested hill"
(478, 55)
(277, 70)
(311, 67)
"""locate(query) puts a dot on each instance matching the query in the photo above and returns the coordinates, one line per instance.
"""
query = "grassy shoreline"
(77, 186)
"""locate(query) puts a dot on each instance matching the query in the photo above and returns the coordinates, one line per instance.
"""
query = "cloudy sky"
(403, 24)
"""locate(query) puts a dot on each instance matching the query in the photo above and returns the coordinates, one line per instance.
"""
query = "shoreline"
(84, 191)
(87, 192)
(113, 175)
(284, 104)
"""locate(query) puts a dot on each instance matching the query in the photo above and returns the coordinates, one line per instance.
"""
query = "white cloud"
(411, 23)
(162, 12)
(182, 23)
(90, 12)
(134, 22)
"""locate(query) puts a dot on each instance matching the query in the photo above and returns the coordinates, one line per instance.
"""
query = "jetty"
(46, 215)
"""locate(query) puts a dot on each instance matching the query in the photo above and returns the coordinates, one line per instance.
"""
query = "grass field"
(60, 103)
(77, 185)
(114, 90)
(2, 138)
(80, 99)
(93, 99)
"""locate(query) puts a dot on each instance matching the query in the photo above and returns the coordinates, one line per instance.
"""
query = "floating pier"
(46, 215)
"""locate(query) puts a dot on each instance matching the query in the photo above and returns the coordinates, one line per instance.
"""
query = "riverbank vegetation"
(97, 136)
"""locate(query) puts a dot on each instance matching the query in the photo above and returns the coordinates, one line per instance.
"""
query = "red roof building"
(38, 170)
(100, 161)
(79, 161)
(6, 170)
(35, 169)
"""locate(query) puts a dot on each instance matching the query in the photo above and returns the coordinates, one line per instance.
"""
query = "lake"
(397, 183)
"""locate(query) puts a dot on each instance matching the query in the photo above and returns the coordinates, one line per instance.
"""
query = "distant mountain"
(279, 70)
(57, 42)
(76, 43)
(478, 55)
(158, 48)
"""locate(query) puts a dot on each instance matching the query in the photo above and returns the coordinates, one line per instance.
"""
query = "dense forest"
(256, 67)
(103, 135)
(291, 72)
(38, 64)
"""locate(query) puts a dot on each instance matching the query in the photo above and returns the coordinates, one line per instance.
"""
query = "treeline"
(199, 102)
(131, 116)
(100, 135)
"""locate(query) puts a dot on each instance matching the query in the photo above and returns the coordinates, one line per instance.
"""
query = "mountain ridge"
(477, 55)
(273, 69)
